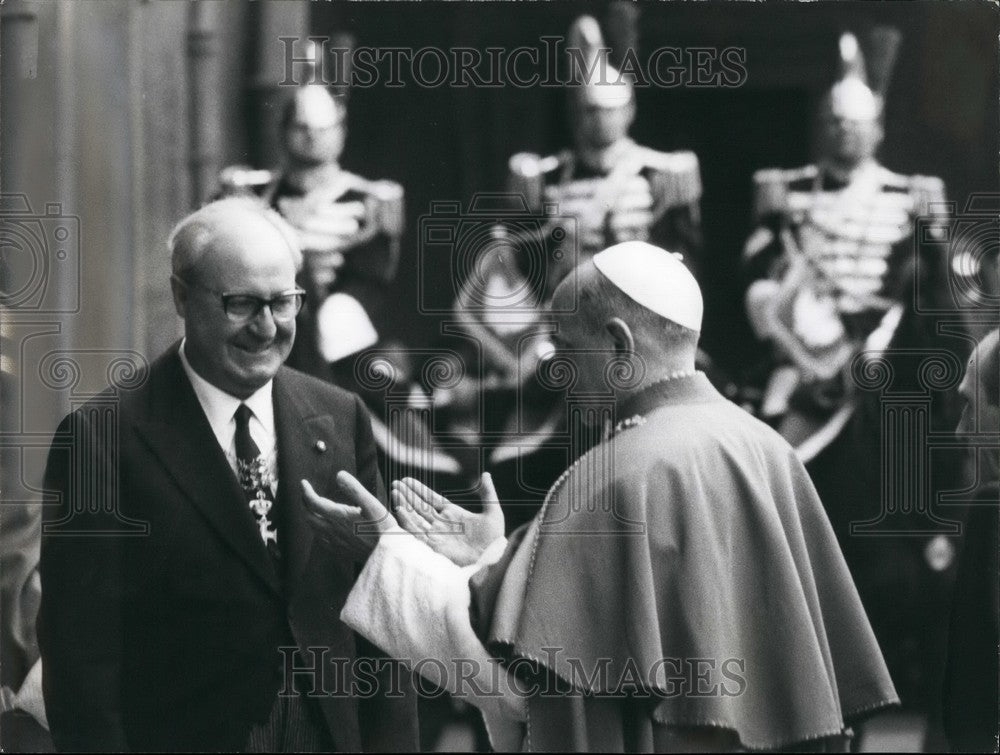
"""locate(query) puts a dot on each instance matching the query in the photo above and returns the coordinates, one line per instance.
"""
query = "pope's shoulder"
(692, 431)
(704, 456)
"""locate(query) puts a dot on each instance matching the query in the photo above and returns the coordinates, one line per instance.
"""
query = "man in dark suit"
(186, 603)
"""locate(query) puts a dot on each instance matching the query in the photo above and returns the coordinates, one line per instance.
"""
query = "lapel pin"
(320, 446)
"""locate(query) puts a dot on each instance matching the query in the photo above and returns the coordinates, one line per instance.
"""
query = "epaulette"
(388, 212)
(771, 187)
(237, 180)
(893, 181)
(378, 187)
(675, 176)
(926, 192)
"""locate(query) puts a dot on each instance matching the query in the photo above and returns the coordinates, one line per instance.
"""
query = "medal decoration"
(257, 480)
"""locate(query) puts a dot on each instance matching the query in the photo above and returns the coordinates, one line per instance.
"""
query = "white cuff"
(29, 697)
(491, 555)
(413, 603)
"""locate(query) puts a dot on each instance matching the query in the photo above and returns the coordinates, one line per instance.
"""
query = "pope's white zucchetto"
(654, 278)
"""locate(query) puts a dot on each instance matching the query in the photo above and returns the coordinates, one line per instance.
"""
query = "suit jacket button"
(320, 446)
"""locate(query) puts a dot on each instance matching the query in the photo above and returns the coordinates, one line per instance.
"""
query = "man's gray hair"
(192, 236)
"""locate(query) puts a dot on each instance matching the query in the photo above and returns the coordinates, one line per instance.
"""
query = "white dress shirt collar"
(219, 408)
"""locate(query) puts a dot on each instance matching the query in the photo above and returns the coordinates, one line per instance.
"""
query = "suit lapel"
(178, 433)
(309, 437)
(305, 436)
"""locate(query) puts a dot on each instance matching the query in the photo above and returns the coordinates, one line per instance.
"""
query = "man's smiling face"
(245, 254)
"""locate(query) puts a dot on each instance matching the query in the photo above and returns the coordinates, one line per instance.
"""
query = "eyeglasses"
(240, 307)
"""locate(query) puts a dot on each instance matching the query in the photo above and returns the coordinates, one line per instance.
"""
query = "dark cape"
(682, 574)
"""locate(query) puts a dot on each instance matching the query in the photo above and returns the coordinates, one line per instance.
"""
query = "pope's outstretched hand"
(354, 526)
(447, 528)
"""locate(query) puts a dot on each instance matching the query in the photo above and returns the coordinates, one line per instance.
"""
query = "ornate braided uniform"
(856, 231)
(637, 194)
(847, 257)
(836, 255)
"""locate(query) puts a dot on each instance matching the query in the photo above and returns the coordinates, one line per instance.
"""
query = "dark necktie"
(254, 476)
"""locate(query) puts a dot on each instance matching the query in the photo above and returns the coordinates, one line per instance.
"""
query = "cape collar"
(685, 389)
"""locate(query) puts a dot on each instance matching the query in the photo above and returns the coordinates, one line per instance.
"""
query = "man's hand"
(355, 526)
(450, 530)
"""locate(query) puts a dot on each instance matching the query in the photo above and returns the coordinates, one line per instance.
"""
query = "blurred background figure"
(349, 228)
(839, 269)
(503, 414)
(831, 255)
(602, 190)
(606, 188)
(392, 379)
(498, 308)
(971, 712)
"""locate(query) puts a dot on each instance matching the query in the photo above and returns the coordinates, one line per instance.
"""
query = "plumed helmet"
(313, 104)
(859, 93)
(596, 82)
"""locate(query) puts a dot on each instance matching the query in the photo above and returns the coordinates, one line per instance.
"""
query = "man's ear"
(179, 290)
(621, 336)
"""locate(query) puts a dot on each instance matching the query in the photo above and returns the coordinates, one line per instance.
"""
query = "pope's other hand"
(447, 528)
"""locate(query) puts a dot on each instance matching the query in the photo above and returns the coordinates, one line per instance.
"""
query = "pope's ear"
(621, 336)
(179, 290)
